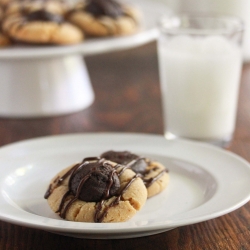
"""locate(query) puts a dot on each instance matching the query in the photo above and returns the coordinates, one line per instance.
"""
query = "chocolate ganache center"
(104, 8)
(43, 15)
(121, 157)
(94, 181)
(134, 162)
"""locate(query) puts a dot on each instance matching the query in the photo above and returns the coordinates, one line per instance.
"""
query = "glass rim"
(164, 24)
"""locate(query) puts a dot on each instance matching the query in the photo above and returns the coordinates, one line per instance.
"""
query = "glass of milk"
(240, 8)
(200, 61)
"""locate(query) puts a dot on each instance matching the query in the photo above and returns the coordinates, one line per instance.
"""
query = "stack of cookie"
(109, 188)
(55, 22)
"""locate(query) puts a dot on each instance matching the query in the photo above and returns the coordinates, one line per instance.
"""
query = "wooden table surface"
(126, 86)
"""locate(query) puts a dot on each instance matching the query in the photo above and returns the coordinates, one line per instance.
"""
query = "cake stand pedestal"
(31, 87)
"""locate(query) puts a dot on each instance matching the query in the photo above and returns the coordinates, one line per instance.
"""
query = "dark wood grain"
(126, 86)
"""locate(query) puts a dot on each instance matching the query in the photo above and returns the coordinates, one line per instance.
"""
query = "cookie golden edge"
(160, 184)
(41, 32)
(4, 39)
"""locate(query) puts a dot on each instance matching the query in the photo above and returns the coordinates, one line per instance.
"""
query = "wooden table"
(126, 86)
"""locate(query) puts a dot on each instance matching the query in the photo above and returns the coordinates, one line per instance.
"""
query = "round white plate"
(151, 11)
(205, 182)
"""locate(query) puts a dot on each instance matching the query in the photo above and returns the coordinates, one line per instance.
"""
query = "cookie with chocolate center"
(96, 190)
(105, 18)
(154, 175)
(40, 24)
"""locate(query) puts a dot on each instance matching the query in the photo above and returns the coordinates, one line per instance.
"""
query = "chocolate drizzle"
(150, 181)
(58, 182)
(144, 173)
(99, 215)
(44, 16)
(40, 15)
(136, 163)
(70, 196)
(104, 8)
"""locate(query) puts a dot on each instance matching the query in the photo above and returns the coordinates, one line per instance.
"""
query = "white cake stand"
(44, 81)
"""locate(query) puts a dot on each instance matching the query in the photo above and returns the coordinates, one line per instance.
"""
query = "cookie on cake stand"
(53, 80)
(105, 18)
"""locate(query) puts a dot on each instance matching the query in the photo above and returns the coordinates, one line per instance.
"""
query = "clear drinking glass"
(200, 61)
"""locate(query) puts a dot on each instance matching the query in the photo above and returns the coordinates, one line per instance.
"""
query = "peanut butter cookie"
(105, 18)
(40, 24)
(154, 175)
(96, 190)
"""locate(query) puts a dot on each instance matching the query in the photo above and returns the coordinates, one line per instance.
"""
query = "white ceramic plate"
(151, 11)
(205, 182)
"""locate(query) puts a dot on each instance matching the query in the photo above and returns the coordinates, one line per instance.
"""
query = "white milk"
(199, 80)
(239, 8)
